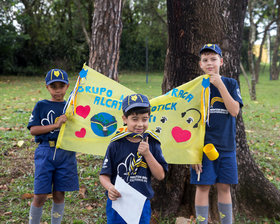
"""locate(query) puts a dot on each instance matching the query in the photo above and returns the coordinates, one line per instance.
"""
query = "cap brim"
(136, 105)
(209, 49)
(56, 80)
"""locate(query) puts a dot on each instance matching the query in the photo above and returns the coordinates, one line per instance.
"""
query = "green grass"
(262, 125)
(19, 95)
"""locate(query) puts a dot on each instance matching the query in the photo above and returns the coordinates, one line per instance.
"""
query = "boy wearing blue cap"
(225, 103)
(55, 169)
(134, 155)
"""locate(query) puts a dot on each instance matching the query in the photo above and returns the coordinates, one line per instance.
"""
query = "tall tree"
(261, 16)
(275, 67)
(191, 24)
(105, 37)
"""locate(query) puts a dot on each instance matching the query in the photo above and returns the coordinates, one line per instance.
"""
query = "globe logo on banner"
(103, 124)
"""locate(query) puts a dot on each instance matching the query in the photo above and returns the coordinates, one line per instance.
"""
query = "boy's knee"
(225, 188)
(58, 197)
(39, 200)
(203, 188)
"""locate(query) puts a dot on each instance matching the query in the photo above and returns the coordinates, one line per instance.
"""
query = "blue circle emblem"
(103, 124)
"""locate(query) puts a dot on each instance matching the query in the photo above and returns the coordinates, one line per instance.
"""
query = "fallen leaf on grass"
(89, 207)
(269, 177)
(82, 191)
(183, 220)
(7, 213)
(27, 196)
(5, 129)
(6, 118)
(20, 143)
(4, 187)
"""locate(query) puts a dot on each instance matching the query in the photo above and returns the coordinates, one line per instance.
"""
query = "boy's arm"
(155, 167)
(40, 129)
(105, 180)
(231, 105)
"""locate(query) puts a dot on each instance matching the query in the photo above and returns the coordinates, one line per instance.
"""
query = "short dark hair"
(137, 110)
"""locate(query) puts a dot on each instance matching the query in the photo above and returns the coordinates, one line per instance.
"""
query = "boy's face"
(210, 63)
(57, 91)
(137, 123)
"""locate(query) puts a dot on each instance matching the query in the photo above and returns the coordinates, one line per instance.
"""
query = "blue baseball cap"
(211, 47)
(56, 75)
(134, 100)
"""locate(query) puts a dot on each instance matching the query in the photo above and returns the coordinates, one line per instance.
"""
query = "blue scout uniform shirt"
(221, 130)
(46, 112)
(121, 159)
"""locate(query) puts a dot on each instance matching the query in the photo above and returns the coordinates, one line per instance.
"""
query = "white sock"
(57, 212)
(35, 214)
(201, 214)
(225, 211)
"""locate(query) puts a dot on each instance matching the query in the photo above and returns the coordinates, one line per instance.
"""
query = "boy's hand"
(216, 80)
(197, 168)
(144, 148)
(62, 119)
(113, 194)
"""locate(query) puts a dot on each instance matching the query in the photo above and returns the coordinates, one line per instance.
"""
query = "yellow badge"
(56, 73)
(134, 98)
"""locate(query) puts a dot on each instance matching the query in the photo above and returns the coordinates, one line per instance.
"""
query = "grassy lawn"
(19, 95)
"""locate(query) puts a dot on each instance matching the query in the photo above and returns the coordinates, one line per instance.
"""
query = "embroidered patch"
(56, 215)
(222, 215)
(200, 218)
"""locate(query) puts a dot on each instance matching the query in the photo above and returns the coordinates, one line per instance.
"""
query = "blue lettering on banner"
(152, 118)
(96, 90)
(180, 94)
(102, 101)
(164, 107)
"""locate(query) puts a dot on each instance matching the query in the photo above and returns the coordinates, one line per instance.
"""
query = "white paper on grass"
(130, 204)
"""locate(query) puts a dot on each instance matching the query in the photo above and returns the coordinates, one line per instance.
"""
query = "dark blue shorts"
(114, 218)
(222, 170)
(57, 173)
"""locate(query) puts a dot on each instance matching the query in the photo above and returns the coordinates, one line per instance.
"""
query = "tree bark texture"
(252, 38)
(105, 37)
(191, 24)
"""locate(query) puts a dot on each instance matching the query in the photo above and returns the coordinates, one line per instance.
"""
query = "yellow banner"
(94, 116)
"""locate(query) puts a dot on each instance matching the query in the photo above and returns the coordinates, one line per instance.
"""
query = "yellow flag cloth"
(95, 115)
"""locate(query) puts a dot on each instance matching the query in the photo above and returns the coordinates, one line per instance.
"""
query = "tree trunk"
(252, 38)
(105, 38)
(274, 66)
(258, 62)
(191, 24)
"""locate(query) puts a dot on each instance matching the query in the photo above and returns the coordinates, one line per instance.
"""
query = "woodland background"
(119, 38)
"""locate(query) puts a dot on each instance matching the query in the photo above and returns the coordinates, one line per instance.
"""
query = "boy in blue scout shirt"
(55, 169)
(134, 155)
(225, 103)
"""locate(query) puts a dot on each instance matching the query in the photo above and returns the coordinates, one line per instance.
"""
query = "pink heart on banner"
(83, 111)
(180, 135)
(81, 133)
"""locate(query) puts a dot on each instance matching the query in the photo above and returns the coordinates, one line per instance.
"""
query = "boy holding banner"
(55, 168)
(225, 104)
(134, 156)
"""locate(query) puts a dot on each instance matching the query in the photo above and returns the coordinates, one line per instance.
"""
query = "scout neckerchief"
(135, 163)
